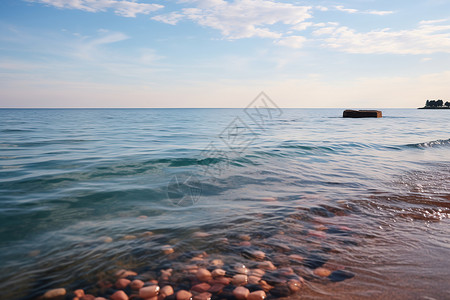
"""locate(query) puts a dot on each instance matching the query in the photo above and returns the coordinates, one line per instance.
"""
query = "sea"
(87, 192)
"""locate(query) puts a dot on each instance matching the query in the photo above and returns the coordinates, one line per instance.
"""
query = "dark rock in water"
(314, 261)
(253, 287)
(362, 114)
(340, 275)
(280, 291)
(320, 211)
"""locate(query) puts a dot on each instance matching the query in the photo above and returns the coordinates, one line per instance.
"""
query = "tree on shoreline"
(436, 103)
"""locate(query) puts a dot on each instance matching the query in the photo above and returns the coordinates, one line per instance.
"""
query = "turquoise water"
(69, 178)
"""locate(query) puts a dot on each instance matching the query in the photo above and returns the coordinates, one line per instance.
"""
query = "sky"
(223, 53)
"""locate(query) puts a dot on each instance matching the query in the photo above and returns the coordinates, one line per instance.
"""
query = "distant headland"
(436, 104)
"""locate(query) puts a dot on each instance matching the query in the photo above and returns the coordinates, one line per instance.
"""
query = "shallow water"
(370, 196)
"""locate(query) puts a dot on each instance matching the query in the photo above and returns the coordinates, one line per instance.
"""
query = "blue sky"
(217, 53)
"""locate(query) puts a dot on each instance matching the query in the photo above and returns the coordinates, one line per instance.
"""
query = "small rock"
(241, 293)
(166, 290)
(241, 269)
(265, 286)
(122, 283)
(216, 288)
(245, 237)
(136, 284)
(240, 279)
(269, 199)
(142, 217)
(294, 285)
(340, 275)
(222, 280)
(245, 244)
(201, 287)
(119, 295)
(183, 295)
(87, 297)
(54, 293)
(218, 272)
(199, 234)
(257, 295)
(203, 275)
(296, 257)
(322, 272)
(257, 272)
(217, 262)
(129, 237)
(253, 279)
(125, 273)
(147, 234)
(203, 296)
(167, 249)
(267, 265)
(149, 291)
(79, 293)
(106, 239)
(258, 254)
(100, 298)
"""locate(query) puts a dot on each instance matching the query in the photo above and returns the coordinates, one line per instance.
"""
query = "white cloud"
(427, 38)
(125, 8)
(291, 41)
(369, 12)
(240, 18)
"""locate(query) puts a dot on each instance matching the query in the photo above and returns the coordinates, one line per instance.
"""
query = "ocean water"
(79, 189)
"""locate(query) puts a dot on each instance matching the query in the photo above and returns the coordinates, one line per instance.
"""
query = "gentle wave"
(431, 144)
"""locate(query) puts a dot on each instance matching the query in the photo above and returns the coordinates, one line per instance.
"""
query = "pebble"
(217, 262)
(100, 298)
(149, 291)
(203, 296)
(147, 234)
(322, 272)
(87, 297)
(296, 257)
(241, 293)
(119, 295)
(122, 283)
(267, 265)
(136, 284)
(222, 280)
(269, 199)
(125, 273)
(54, 293)
(79, 293)
(216, 288)
(245, 237)
(240, 279)
(167, 249)
(218, 272)
(294, 285)
(241, 269)
(257, 272)
(201, 234)
(106, 239)
(340, 275)
(258, 255)
(203, 275)
(129, 237)
(265, 286)
(253, 279)
(245, 244)
(257, 295)
(142, 217)
(183, 295)
(166, 290)
(201, 287)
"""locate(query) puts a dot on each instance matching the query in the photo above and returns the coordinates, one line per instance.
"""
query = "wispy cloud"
(369, 12)
(429, 37)
(240, 18)
(125, 8)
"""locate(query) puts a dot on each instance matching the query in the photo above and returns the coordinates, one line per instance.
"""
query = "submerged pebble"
(183, 295)
(257, 295)
(119, 295)
(203, 275)
(240, 279)
(149, 291)
(54, 293)
(340, 275)
(241, 293)
(322, 272)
